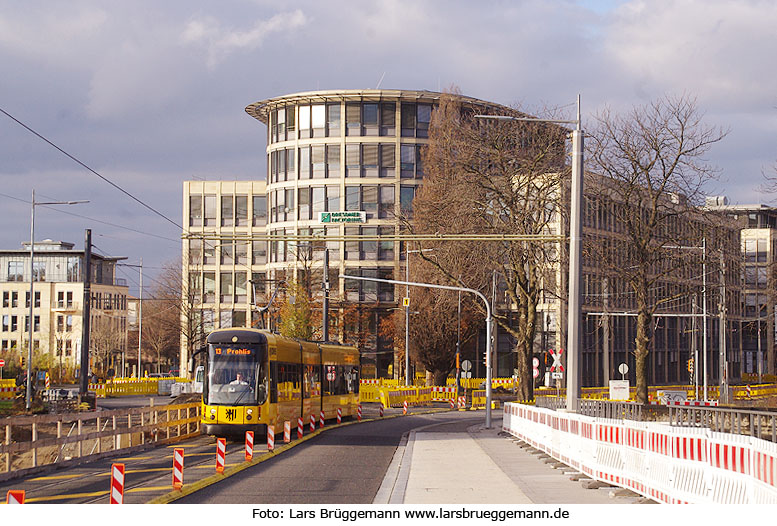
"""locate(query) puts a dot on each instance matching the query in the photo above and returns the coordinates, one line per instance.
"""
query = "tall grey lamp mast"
(28, 398)
(574, 316)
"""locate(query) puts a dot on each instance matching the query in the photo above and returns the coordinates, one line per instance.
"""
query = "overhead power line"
(84, 165)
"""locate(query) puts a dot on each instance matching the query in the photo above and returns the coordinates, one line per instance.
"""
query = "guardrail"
(31, 442)
(669, 464)
(754, 423)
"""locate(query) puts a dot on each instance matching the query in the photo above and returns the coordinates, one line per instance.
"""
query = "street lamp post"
(575, 251)
(28, 398)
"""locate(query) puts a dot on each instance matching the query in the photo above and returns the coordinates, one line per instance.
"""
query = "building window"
(241, 253)
(387, 160)
(27, 299)
(39, 271)
(305, 168)
(318, 156)
(209, 287)
(370, 119)
(318, 118)
(386, 248)
(333, 120)
(259, 252)
(410, 162)
(241, 289)
(369, 160)
(353, 118)
(406, 196)
(16, 271)
(333, 160)
(209, 254)
(227, 210)
(225, 288)
(370, 291)
(195, 251)
(259, 210)
(210, 210)
(6, 322)
(386, 202)
(304, 122)
(227, 254)
(416, 119)
(195, 210)
(241, 210)
(388, 112)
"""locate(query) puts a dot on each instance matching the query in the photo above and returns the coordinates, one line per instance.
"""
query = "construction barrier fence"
(673, 465)
(396, 397)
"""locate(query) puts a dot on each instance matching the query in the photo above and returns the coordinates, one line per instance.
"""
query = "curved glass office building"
(354, 151)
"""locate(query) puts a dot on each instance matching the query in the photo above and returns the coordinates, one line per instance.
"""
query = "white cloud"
(721, 50)
(220, 41)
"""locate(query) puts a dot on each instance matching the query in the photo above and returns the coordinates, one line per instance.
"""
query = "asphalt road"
(344, 466)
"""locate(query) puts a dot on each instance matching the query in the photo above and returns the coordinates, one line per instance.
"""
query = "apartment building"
(58, 296)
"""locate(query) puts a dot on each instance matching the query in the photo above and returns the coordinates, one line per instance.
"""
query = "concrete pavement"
(465, 463)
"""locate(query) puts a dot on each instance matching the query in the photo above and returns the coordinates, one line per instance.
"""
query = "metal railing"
(754, 423)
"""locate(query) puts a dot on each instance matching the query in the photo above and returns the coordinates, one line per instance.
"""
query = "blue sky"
(150, 94)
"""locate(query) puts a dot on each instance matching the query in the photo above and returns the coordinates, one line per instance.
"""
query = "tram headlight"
(249, 414)
(213, 413)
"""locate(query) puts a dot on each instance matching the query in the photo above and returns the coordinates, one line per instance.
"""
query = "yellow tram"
(255, 378)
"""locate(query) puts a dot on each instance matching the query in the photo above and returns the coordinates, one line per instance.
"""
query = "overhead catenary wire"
(61, 211)
(90, 169)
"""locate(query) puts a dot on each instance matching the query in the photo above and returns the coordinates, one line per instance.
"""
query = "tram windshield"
(236, 375)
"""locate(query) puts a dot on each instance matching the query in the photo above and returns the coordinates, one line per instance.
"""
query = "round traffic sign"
(535, 362)
(466, 365)
(535, 373)
(2, 363)
(623, 368)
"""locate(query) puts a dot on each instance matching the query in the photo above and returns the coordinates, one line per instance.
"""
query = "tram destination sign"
(342, 217)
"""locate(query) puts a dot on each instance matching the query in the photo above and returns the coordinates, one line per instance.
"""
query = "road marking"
(55, 477)
(152, 488)
(71, 496)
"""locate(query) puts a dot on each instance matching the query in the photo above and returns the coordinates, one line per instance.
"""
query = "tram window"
(275, 371)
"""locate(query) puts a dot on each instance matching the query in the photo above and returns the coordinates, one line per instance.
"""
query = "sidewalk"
(473, 465)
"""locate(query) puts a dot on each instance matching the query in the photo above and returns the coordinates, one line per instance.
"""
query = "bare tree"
(161, 328)
(650, 163)
(186, 296)
(494, 178)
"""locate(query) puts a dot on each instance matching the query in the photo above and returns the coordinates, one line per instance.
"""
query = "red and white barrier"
(359, 412)
(117, 484)
(695, 403)
(673, 465)
(404, 407)
(462, 402)
(321, 420)
(249, 445)
(287, 432)
(270, 438)
(178, 468)
(451, 403)
(381, 409)
(15, 496)
(300, 428)
(339, 416)
(312, 422)
(221, 454)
